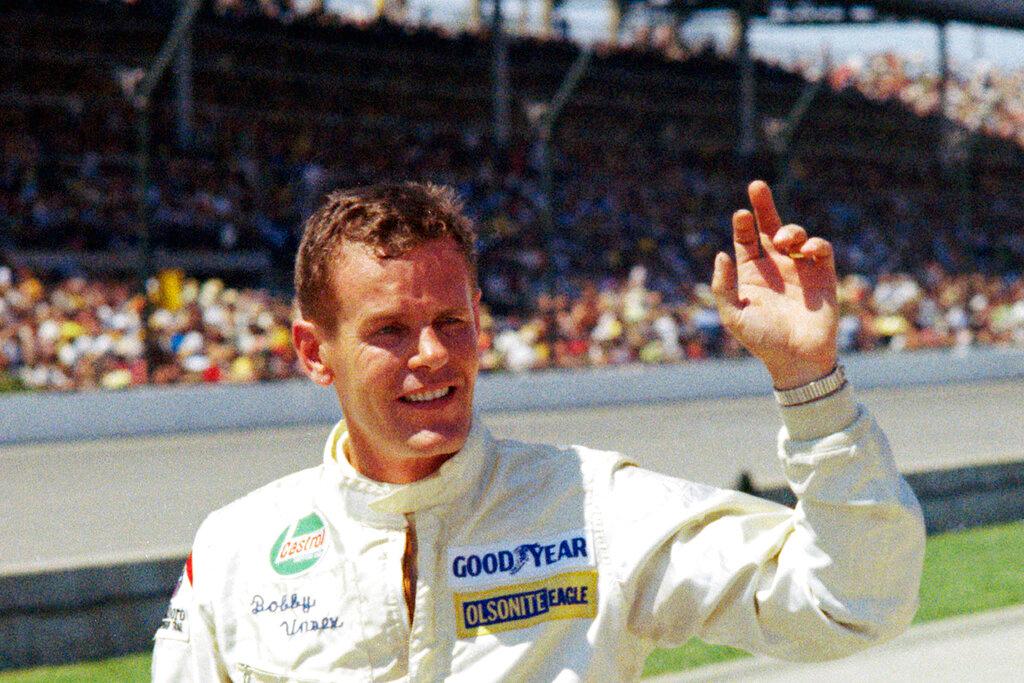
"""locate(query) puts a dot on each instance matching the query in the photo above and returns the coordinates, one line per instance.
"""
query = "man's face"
(403, 356)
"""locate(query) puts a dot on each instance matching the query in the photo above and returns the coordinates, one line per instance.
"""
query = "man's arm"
(836, 574)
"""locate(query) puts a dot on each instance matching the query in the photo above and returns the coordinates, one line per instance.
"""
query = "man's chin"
(430, 443)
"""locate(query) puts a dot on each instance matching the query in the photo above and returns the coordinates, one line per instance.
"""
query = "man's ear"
(306, 339)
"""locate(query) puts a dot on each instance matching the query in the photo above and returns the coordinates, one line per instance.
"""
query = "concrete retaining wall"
(81, 614)
(955, 498)
(154, 410)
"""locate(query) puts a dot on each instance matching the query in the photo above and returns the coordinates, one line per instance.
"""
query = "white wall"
(155, 410)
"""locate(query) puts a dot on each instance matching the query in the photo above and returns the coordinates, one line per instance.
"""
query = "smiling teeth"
(428, 396)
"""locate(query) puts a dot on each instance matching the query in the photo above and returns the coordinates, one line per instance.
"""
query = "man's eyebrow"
(453, 310)
(387, 315)
(382, 315)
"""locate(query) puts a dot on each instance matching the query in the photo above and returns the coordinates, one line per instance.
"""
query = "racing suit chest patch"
(521, 583)
(572, 595)
(299, 546)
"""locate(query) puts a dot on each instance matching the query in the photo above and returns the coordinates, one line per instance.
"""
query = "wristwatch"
(812, 391)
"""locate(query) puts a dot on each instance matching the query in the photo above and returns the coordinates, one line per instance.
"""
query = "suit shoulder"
(532, 460)
(282, 498)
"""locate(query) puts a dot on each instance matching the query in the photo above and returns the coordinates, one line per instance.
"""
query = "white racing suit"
(538, 563)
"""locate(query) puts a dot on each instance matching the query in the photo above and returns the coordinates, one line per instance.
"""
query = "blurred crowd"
(632, 181)
(67, 181)
(89, 334)
(83, 333)
(592, 251)
(981, 96)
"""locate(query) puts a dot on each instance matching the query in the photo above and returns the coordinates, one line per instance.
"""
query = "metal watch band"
(812, 391)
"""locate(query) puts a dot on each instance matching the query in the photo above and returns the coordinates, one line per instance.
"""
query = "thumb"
(724, 286)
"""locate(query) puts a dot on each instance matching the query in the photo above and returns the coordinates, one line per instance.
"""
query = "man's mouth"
(428, 396)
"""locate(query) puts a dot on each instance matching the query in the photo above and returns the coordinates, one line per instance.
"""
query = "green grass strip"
(972, 571)
(118, 670)
(964, 572)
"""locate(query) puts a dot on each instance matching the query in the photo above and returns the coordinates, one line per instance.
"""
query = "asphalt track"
(94, 503)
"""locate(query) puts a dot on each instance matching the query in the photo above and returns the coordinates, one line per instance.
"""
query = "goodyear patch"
(519, 560)
(572, 595)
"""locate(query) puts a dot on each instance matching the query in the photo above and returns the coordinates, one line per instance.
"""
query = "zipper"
(410, 569)
(410, 579)
(252, 674)
(249, 671)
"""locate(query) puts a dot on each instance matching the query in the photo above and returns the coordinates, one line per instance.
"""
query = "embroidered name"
(572, 595)
(284, 604)
(297, 626)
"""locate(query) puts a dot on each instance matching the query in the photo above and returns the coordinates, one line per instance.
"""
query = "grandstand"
(643, 178)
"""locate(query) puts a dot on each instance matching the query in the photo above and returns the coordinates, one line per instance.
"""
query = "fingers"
(819, 250)
(724, 286)
(789, 239)
(764, 208)
(792, 241)
(745, 238)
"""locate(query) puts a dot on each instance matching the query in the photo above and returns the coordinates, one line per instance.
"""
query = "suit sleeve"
(185, 646)
(836, 574)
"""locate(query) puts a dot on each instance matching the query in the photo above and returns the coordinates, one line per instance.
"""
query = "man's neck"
(390, 471)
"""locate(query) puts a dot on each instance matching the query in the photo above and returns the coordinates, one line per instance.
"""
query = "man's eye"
(390, 330)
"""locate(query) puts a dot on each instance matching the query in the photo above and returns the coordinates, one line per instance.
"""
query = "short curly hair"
(390, 218)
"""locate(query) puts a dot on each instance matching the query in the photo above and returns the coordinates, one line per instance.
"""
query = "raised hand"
(779, 297)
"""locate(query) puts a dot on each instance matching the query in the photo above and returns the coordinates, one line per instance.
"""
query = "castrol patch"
(300, 545)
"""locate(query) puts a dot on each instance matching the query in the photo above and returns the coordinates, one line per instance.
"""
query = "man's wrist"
(786, 373)
(814, 390)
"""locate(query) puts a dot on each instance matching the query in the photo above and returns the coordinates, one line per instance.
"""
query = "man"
(423, 549)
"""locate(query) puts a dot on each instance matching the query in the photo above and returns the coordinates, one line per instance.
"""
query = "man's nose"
(431, 353)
